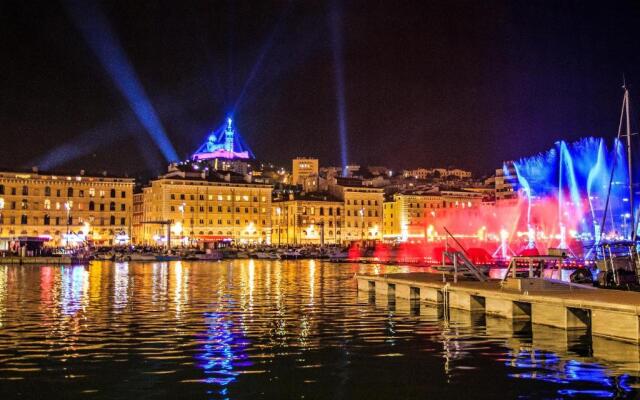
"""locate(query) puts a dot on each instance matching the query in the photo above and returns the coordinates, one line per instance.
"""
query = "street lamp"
(181, 208)
(362, 223)
(278, 213)
(1, 208)
(87, 229)
(321, 225)
(67, 206)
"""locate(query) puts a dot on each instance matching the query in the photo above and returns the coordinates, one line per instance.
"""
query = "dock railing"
(461, 258)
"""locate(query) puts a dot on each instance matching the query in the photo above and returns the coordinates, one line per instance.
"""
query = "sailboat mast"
(632, 217)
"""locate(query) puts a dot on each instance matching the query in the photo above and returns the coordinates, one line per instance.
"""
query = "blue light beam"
(96, 31)
(335, 22)
(261, 57)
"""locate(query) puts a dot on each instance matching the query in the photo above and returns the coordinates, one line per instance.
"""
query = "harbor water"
(250, 329)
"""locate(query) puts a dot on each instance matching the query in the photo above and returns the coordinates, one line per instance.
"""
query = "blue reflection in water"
(72, 289)
(549, 367)
(121, 285)
(222, 351)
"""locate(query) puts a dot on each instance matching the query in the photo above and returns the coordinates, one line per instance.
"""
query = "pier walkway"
(608, 313)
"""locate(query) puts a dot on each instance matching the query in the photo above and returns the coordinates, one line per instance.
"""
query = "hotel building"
(363, 215)
(413, 216)
(65, 209)
(204, 207)
(137, 217)
(311, 218)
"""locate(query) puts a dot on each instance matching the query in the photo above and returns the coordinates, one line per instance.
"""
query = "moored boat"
(291, 254)
(267, 255)
(140, 257)
(209, 256)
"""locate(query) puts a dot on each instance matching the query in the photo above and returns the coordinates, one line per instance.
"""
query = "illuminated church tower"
(224, 143)
(228, 136)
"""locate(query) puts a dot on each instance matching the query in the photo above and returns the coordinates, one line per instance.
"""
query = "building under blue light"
(224, 143)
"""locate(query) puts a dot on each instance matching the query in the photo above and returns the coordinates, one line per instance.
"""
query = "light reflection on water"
(564, 372)
(271, 329)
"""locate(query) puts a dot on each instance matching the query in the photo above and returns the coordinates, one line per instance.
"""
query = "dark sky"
(427, 83)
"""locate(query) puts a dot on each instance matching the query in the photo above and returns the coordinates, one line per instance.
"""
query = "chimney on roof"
(81, 172)
(34, 169)
(104, 173)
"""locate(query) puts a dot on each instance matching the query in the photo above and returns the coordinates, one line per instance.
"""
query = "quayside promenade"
(607, 313)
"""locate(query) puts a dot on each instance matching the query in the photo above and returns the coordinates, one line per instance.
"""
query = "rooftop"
(312, 196)
(34, 173)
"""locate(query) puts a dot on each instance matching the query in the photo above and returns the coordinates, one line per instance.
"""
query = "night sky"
(441, 83)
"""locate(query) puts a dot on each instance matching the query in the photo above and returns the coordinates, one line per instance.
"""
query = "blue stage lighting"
(261, 56)
(86, 143)
(336, 38)
(96, 31)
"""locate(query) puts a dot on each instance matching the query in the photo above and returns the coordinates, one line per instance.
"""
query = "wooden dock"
(607, 313)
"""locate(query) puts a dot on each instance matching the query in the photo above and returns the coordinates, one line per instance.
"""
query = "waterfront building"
(362, 217)
(188, 208)
(137, 217)
(413, 215)
(307, 218)
(66, 209)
